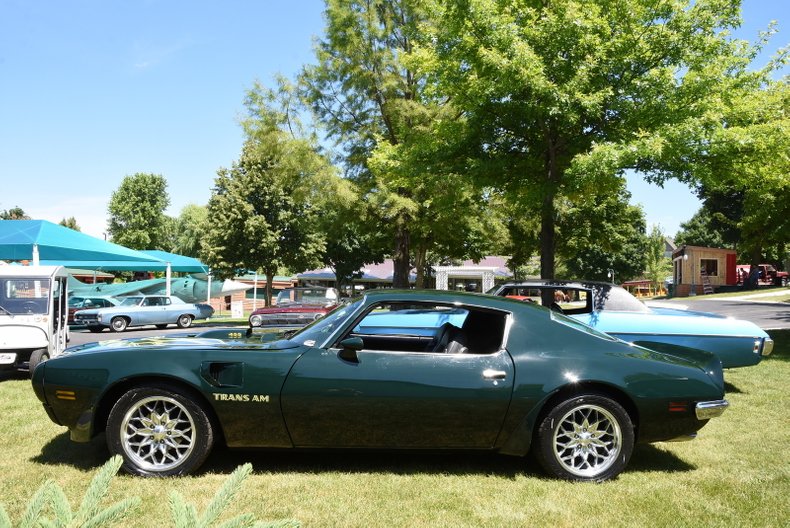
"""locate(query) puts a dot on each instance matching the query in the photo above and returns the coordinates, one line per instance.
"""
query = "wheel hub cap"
(587, 440)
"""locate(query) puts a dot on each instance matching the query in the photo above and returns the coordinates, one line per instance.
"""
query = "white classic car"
(140, 310)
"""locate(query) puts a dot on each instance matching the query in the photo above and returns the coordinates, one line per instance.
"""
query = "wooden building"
(700, 270)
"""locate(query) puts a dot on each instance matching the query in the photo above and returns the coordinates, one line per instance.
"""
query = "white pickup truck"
(33, 315)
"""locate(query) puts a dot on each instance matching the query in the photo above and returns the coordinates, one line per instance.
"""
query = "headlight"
(256, 320)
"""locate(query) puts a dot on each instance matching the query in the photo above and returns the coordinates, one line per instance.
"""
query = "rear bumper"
(710, 409)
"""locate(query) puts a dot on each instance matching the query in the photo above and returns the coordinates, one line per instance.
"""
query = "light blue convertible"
(141, 310)
(613, 310)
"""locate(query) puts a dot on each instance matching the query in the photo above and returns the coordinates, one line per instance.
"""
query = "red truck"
(768, 275)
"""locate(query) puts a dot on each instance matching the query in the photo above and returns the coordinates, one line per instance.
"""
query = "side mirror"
(349, 348)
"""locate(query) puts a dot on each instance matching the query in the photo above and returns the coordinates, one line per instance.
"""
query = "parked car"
(78, 303)
(33, 324)
(613, 310)
(296, 307)
(393, 370)
(140, 310)
(766, 275)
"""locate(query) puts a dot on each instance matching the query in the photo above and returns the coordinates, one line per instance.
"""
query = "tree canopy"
(137, 213)
(558, 98)
(262, 211)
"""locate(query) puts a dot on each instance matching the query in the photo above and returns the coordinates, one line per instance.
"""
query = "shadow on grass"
(85, 456)
(92, 455)
(649, 458)
(729, 388)
(781, 345)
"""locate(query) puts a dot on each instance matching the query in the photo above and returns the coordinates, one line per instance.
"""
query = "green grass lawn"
(736, 473)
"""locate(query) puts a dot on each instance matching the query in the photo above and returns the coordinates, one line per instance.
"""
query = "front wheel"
(588, 437)
(118, 324)
(159, 432)
(37, 356)
(184, 321)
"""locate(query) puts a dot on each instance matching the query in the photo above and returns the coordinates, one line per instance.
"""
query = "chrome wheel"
(587, 440)
(157, 434)
(118, 324)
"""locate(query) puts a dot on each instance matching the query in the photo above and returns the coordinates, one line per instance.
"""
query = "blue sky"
(92, 91)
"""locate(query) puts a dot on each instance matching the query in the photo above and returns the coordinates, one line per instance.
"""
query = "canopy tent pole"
(168, 274)
(208, 290)
(35, 255)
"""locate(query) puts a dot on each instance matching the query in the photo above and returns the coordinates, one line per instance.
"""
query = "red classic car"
(296, 307)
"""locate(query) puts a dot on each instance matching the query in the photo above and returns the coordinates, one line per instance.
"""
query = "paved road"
(766, 314)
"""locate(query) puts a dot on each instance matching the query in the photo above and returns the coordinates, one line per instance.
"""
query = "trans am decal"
(221, 396)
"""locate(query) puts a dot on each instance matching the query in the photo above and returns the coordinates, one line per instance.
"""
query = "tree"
(352, 237)
(558, 98)
(137, 213)
(657, 265)
(602, 237)
(699, 231)
(262, 211)
(365, 97)
(15, 213)
(71, 223)
(190, 230)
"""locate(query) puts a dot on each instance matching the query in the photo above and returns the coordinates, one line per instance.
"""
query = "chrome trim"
(494, 374)
(710, 409)
(768, 346)
(743, 336)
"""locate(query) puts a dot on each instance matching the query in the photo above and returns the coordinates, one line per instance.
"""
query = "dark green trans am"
(420, 370)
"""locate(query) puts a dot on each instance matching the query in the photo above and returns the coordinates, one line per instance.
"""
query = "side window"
(430, 328)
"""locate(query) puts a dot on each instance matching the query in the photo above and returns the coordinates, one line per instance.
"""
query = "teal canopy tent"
(45, 243)
(42, 242)
(177, 262)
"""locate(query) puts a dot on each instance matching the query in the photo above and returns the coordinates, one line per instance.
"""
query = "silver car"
(140, 310)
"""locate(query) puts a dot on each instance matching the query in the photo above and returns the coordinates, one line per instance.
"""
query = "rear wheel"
(37, 356)
(588, 437)
(118, 324)
(184, 321)
(159, 431)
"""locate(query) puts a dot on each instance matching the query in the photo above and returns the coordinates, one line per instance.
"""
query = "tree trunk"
(269, 283)
(754, 272)
(400, 259)
(547, 221)
(420, 256)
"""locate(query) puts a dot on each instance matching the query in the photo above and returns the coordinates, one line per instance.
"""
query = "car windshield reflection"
(315, 333)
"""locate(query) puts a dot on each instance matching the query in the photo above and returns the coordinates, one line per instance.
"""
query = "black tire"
(37, 356)
(587, 437)
(95, 329)
(184, 321)
(118, 324)
(183, 440)
(162, 326)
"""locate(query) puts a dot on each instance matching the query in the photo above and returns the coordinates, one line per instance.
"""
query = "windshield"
(314, 334)
(24, 296)
(131, 301)
(76, 301)
(307, 296)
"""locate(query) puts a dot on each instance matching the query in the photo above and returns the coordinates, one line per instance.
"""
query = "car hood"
(202, 343)
(294, 307)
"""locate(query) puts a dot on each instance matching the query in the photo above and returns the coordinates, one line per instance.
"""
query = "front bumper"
(710, 409)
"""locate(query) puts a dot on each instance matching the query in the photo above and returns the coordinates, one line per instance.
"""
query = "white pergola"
(484, 274)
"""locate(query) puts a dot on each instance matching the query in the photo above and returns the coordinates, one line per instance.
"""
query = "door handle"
(494, 374)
